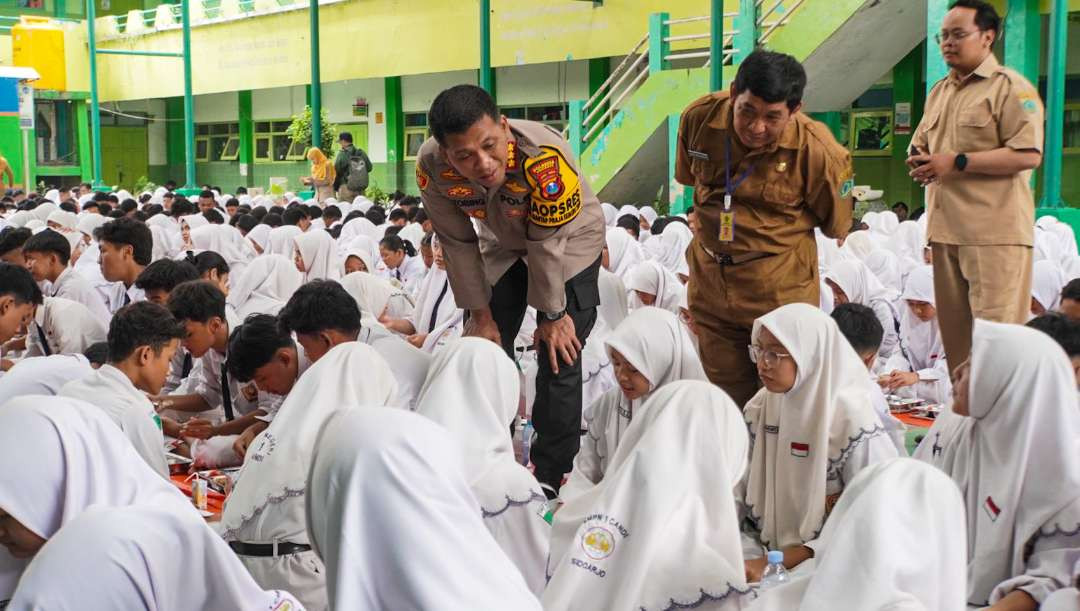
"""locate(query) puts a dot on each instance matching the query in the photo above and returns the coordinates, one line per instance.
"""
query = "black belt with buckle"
(267, 550)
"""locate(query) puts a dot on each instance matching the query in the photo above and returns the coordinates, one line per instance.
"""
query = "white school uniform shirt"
(863, 287)
(42, 375)
(62, 456)
(385, 479)
(112, 392)
(376, 295)
(473, 390)
(436, 314)
(893, 426)
(661, 530)
(67, 326)
(118, 295)
(409, 274)
(70, 285)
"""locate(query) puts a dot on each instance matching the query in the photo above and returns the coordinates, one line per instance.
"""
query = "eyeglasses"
(957, 35)
(766, 357)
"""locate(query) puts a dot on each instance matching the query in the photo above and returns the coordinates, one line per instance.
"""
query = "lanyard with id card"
(727, 215)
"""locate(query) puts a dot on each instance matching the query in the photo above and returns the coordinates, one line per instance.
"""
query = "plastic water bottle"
(526, 441)
(775, 574)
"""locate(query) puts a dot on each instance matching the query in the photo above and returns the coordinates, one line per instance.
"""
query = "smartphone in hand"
(913, 151)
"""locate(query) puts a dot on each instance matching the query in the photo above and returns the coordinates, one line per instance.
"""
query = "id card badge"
(727, 225)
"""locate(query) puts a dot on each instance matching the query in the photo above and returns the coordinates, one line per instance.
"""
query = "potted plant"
(300, 131)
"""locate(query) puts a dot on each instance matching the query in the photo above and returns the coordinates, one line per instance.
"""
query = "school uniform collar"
(986, 69)
(789, 138)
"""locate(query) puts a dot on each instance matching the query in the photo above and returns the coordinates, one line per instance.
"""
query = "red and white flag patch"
(800, 450)
(991, 508)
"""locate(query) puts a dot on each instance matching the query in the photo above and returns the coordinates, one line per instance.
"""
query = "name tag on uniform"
(697, 154)
(727, 226)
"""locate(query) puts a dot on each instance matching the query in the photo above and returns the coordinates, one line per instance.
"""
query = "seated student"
(853, 282)
(812, 428)
(260, 352)
(322, 314)
(662, 529)
(267, 505)
(648, 350)
(1010, 445)
(1047, 280)
(919, 366)
(213, 268)
(316, 256)
(264, 287)
(473, 391)
(902, 522)
(652, 285)
(1066, 333)
(126, 248)
(1070, 299)
(862, 329)
(387, 479)
(62, 456)
(11, 244)
(436, 320)
(142, 340)
(157, 281)
(402, 264)
(621, 253)
(47, 254)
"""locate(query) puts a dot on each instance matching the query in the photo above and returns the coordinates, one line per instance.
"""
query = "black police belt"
(723, 258)
(267, 550)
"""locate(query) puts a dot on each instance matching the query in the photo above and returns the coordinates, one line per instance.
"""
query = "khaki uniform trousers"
(988, 282)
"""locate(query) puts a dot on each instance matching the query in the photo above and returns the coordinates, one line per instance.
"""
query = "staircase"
(624, 135)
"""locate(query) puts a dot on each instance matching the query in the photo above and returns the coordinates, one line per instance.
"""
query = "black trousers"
(556, 412)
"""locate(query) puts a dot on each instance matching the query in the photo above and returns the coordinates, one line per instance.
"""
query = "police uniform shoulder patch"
(556, 188)
(460, 192)
(422, 179)
(451, 175)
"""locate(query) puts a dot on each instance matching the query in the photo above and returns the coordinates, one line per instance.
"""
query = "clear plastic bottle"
(526, 440)
(775, 573)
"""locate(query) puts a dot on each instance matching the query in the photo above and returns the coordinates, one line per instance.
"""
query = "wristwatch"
(961, 162)
(552, 316)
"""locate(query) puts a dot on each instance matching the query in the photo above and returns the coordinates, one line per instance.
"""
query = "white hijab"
(319, 253)
(858, 244)
(829, 409)
(885, 266)
(1067, 238)
(391, 515)
(265, 286)
(920, 341)
(894, 541)
(908, 241)
(623, 252)
(260, 235)
(647, 213)
(613, 302)
(273, 478)
(226, 241)
(1047, 246)
(280, 241)
(650, 277)
(371, 292)
(673, 243)
(887, 223)
(660, 530)
(860, 284)
(611, 214)
(357, 227)
(1047, 280)
(1016, 452)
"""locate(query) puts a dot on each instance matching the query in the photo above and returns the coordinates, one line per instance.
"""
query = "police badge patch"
(556, 189)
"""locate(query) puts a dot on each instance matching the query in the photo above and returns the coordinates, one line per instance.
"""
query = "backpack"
(357, 182)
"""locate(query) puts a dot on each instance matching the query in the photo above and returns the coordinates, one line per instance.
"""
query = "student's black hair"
(49, 241)
(900, 205)
(206, 193)
(397, 195)
(986, 16)
(216, 188)
(1071, 290)
(419, 216)
(860, 326)
(145, 197)
(67, 206)
(13, 238)
(90, 205)
(398, 214)
(914, 216)
(677, 219)
(392, 230)
(376, 214)
(112, 199)
(165, 275)
(97, 353)
(246, 222)
(182, 207)
(253, 344)
(346, 136)
(659, 224)
(410, 214)
(773, 77)
(456, 109)
(241, 190)
(197, 301)
(86, 185)
(331, 212)
(15, 280)
(140, 216)
(317, 306)
(208, 260)
(631, 222)
(313, 212)
(426, 241)
(292, 216)
(214, 217)
(355, 214)
(690, 211)
(141, 324)
(125, 231)
(116, 214)
(395, 243)
(279, 210)
(232, 201)
(153, 209)
(259, 213)
(129, 205)
(273, 220)
(105, 208)
(98, 196)
(335, 231)
(1065, 331)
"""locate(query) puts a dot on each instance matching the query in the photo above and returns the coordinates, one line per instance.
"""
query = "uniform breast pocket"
(782, 191)
(976, 127)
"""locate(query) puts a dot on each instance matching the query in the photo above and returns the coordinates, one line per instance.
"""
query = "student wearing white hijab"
(672, 254)
(391, 513)
(909, 243)
(473, 390)
(378, 298)
(813, 427)
(1047, 280)
(621, 253)
(919, 364)
(894, 541)
(652, 285)
(858, 244)
(436, 320)
(648, 350)
(661, 530)
(1014, 422)
(227, 242)
(264, 518)
(265, 286)
(62, 456)
(885, 265)
(1067, 238)
(316, 256)
(611, 214)
(853, 282)
(280, 241)
(1047, 246)
(647, 216)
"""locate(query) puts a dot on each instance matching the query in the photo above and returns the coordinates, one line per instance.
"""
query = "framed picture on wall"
(871, 132)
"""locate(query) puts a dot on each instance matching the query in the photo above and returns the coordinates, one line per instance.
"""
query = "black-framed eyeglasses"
(957, 35)
(768, 358)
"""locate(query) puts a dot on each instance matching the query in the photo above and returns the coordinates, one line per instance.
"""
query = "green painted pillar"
(746, 26)
(395, 134)
(908, 95)
(716, 45)
(316, 79)
(577, 128)
(658, 47)
(487, 74)
(174, 137)
(82, 131)
(935, 64)
(95, 109)
(1023, 27)
(246, 155)
(833, 120)
(189, 101)
(1055, 104)
(599, 71)
(680, 197)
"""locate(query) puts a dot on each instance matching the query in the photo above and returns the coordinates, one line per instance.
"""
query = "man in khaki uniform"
(979, 139)
(519, 227)
(784, 175)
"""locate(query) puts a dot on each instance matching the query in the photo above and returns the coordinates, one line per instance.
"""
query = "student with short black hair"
(11, 244)
(212, 267)
(46, 255)
(631, 224)
(1065, 331)
(1070, 299)
(126, 249)
(398, 217)
(142, 340)
(296, 216)
(376, 214)
(207, 201)
(157, 281)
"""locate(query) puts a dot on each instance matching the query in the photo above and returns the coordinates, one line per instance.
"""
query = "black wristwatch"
(552, 316)
(961, 162)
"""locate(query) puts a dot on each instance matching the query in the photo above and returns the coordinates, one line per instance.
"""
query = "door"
(124, 155)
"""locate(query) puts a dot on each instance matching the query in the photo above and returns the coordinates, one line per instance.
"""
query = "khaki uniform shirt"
(991, 108)
(545, 212)
(801, 181)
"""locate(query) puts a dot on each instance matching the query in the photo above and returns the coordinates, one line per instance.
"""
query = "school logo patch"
(598, 543)
(451, 175)
(991, 509)
(800, 450)
(460, 192)
(847, 187)
(1029, 101)
(556, 189)
(422, 179)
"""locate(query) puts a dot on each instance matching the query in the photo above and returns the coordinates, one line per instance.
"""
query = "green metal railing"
(6, 22)
(203, 12)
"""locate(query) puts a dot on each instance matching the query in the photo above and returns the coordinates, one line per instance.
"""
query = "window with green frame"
(1072, 127)
(550, 114)
(272, 144)
(416, 132)
(871, 133)
(217, 141)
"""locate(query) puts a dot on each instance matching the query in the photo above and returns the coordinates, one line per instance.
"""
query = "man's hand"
(561, 340)
(481, 324)
(240, 446)
(899, 379)
(197, 428)
(931, 168)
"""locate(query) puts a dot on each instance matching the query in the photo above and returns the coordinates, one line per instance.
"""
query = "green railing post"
(1055, 104)
(1023, 26)
(577, 128)
(95, 109)
(746, 25)
(716, 45)
(659, 48)
(680, 197)
(189, 102)
(935, 63)
(486, 81)
(82, 117)
(246, 154)
(316, 80)
(395, 134)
